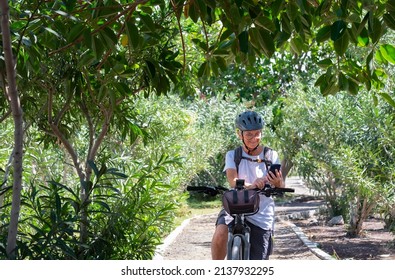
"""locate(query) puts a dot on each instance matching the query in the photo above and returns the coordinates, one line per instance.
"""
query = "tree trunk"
(18, 130)
(359, 213)
(286, 166)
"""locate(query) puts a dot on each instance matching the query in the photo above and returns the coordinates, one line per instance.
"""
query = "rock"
(337, 220)
(313, 222)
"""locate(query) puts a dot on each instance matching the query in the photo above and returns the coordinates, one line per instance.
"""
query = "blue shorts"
(261, 240)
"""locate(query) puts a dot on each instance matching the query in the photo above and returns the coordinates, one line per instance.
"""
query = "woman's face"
(251, 137)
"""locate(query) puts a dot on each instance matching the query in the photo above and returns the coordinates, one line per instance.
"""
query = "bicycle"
(238, 245)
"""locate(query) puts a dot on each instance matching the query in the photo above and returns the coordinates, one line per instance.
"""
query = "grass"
(198, 204)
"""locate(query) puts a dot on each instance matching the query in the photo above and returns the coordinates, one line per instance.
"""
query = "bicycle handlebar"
(212, 190)
(269, 191)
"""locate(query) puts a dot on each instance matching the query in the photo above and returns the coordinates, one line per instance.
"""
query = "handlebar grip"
(196, 188)
(276, 189)
(286, 189)
(206, 188)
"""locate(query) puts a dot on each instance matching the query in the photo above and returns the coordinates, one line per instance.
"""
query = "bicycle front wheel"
(237, 250)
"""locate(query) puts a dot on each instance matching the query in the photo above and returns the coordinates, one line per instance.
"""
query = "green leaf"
(103, 204)
(264, 22)
(75, 32)
(375, 30)
(149, 23)
(52, 32)
(379, 57)
(341, 44)
(92, 164)
(243, 41)
(200, 43)
(387, 98)
(325, 63)
(297, 45)
(97, 47)
(277, 6)
(390, 6)
(122, 88)
(363, 39)
(202, 8)
(192, 11)
(370, 64)
(329, 89)
(109, 37)
(388, 52)
(343, 82)
(151, 68)
(292, 10)
(321, 79)
(221, 62)
(88, 38)
(235, 14)
(66, 15)
(133, 34)
(286, 24)
(226, 34)
(353, 87)
(214, 67)
(375, 100)
(389, 20)
(86, 59)
(267, 43)
(253, 34)
(203, 70)
(338, 29)
(323, 34)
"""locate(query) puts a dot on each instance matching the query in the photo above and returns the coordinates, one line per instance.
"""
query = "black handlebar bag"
(241, 201)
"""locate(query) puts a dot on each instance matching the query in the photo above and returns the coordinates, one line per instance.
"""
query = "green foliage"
(144, 210)
(48, 223)
(341, 146)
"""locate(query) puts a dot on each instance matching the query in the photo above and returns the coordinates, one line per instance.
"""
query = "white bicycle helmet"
(249, 120)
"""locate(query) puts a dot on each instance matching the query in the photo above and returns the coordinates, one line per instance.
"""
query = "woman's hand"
(275, 179)
(259, 183)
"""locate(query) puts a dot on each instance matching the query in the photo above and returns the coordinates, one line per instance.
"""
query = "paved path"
(191, 241)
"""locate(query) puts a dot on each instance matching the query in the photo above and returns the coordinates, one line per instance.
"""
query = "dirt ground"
(192, 240)
(376, 243)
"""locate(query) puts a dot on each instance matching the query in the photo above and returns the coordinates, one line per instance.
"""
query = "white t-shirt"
(249, 171)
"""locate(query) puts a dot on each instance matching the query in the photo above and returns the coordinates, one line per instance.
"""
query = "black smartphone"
(275, 167)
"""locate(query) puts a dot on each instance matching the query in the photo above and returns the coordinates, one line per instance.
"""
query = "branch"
(5, 116)
(131, 9)
(104, 129)
(181, 35)
(62, 138)
(88, 117)
(66, 106)
(22, 34)
(93, 152)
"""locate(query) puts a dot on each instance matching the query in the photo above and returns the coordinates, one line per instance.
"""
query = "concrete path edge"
(313, 246)
(169, 239)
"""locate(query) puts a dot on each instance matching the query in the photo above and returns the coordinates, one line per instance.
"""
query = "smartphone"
(275, 167)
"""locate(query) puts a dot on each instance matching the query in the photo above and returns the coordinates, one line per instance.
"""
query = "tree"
(11, 92)
(355, 31)
(68, 78)
(342, 147)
